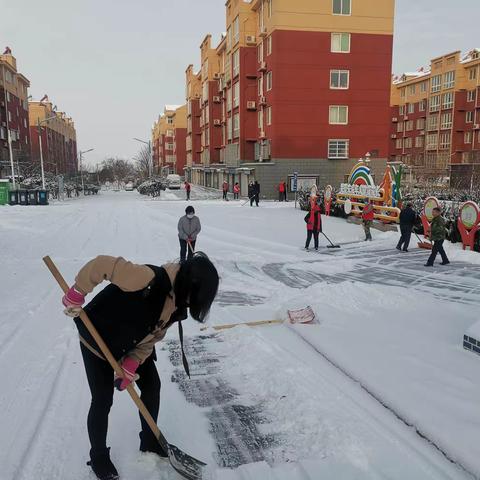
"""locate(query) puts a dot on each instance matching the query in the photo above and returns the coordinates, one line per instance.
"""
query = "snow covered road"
(262, 403)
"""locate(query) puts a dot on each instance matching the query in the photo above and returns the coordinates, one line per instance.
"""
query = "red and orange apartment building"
(13, 114)
(303, 89)
(58, 136)
(169, 140)
(435, 124)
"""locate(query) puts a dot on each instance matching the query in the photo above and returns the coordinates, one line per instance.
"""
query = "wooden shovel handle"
(110, 358)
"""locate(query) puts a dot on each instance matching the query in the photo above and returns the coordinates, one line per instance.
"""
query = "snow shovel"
(420, 244)
(332, 245)
(184, 464)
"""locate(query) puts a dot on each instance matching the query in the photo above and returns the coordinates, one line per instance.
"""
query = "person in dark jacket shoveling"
(132, 314)
(188, 228)
(407, 222)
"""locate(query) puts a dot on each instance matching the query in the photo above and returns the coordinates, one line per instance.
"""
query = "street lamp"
(80, 155)
(39, 129)
(150, 159)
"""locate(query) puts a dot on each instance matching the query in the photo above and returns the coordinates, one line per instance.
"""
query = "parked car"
(129, 187)
(174, 182)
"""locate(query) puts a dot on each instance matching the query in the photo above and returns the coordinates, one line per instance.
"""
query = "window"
(412, 89)
(342, 7)
(169, 146)
(269, 115)
(399, 143)
(260, 86)
(400, 127)
(169, 133)
(8, 76)
(445, 140)
(236, 94)
(408, 142)
(446, 121)
(436, 83)
(423, 87)
(269, 45)
(24, 123)
(433, 122)
(260, 53)
(471, 96)
(236, 63)
(421, 124)
(229, 128)
(269, 81)
(9, 116)
(432, 141)
(472, 73)
(409, 126)
(468, 137)
(338, 115)
(260, 119)
(269, 8)
(411, 108)
(3, 133)
(338, 148)
(448, 100)
(419, 142)
(435, 103)
(449, 80)
(401, 110)
(229, 99)
(340, 43)
(205, 92)
(236, 125)
(339, 79)
(236, 30)
(8, 96)
(205, 69)
(469, 117)
(229, 38)
(422, 105)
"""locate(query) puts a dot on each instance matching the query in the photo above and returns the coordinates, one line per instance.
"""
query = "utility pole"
(150, 157)
(80, 156)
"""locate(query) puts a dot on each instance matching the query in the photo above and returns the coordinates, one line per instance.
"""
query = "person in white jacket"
(188, 228)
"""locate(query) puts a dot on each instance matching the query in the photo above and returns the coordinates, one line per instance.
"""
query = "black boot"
(148, 443)
(101, 465)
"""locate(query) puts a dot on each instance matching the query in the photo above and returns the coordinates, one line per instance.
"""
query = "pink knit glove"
(73, 301)
(129, 367)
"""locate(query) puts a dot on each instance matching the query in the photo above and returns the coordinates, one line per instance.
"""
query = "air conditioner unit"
(217, 122)
(394, 119)
(216, 99)
(251, 105)
(263, 31)
(405, 117)
(476, 126)
(250, 40)
(393, 135)
(263, 101)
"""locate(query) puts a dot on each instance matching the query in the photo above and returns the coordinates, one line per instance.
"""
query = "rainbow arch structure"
(360, 175)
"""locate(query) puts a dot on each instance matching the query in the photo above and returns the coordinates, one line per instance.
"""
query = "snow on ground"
(264, 402)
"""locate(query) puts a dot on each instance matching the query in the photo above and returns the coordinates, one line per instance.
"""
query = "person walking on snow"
(255, 194)
(188, 228)
(188, 188)
(367, 219)
(132, 314)
(313, 219)
(407, 222)
(438, 233)
(281, 191)
(225, 190)
(236, 191)
(250, 193)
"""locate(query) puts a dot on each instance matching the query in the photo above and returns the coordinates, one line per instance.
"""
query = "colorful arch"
(360, 175)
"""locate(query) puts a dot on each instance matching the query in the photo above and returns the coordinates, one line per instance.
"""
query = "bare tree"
(142, 162)
(115, 169)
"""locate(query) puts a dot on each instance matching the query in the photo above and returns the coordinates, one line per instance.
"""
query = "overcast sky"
(113, 64)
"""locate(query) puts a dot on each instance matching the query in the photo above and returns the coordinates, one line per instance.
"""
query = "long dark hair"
(196, 286)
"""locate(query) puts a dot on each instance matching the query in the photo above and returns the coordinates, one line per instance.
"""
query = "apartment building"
(435, 124)
(302, 87)
(58, 137)
(13, 115)
(194, 131)
(169, 138)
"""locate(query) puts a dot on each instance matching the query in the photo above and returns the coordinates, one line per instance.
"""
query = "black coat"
(123, 319)
(407, 217)
(256, 189)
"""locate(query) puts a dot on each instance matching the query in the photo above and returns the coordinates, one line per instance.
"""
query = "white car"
(174, 182)
(129, 187)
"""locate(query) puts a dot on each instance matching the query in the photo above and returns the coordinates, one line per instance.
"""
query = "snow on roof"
(471, 55)
(171, 107)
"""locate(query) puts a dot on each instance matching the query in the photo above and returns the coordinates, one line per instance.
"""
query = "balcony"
(263, 151)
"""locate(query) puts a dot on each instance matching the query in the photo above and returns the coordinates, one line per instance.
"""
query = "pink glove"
(73, 301)
(129, 367)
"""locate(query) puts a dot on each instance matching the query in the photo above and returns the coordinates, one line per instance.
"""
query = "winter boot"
(148, 443)
(102, 466)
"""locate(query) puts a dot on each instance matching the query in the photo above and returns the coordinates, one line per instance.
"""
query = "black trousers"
(406, 231)
(255, 198)
(183, 249)
(437, 248)
(311, 233)
(225, 195)
(100, 380)
(188, 194)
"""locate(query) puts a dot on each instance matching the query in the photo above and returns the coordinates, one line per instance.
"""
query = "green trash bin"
(42, 197)
(13, 197)
(4, 189)
(32, 197)
(23, 197)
